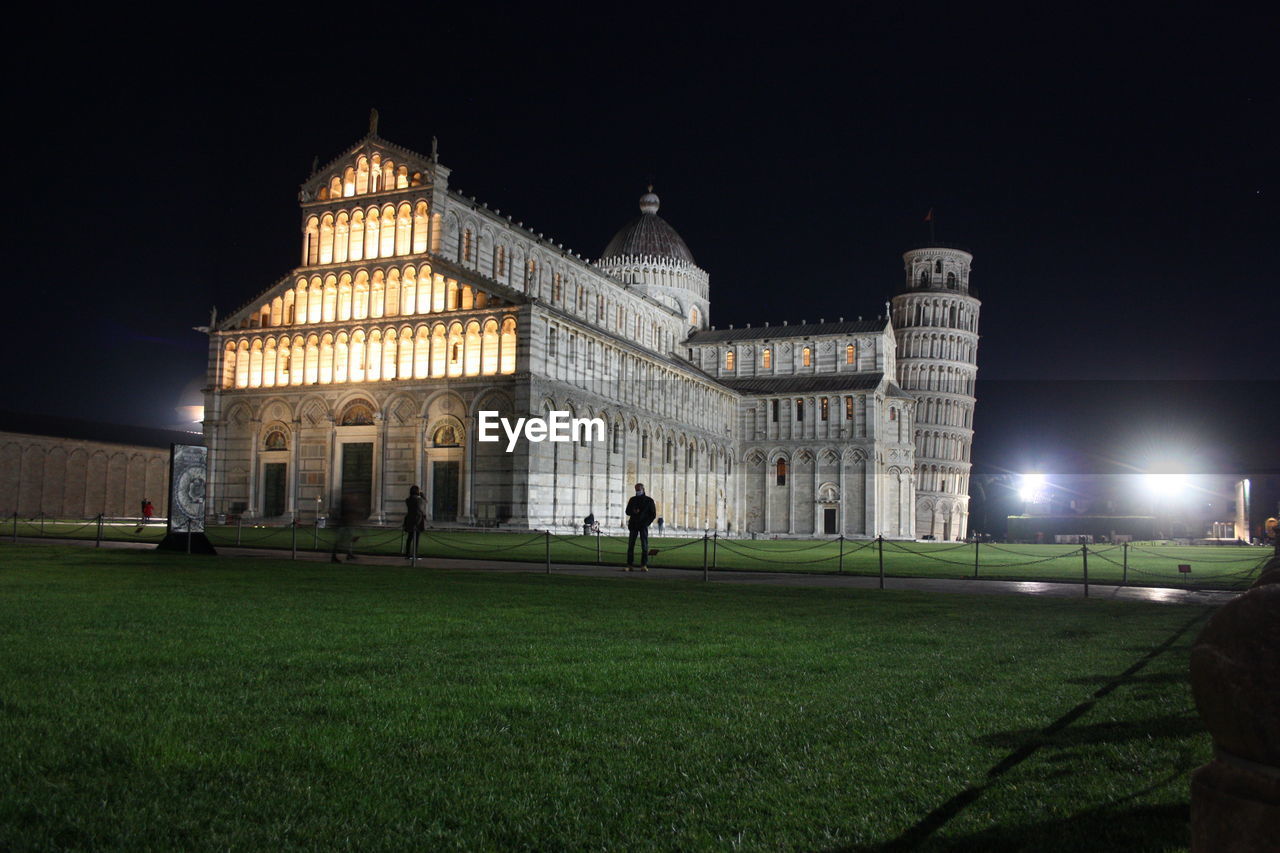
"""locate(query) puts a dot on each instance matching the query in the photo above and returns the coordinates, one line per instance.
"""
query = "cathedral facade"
(414, 308)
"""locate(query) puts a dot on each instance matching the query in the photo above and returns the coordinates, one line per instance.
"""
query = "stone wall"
(73, 478)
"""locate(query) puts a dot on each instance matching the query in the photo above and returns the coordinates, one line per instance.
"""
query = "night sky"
(1115, 178)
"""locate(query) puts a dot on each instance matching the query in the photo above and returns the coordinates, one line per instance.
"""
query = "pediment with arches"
(371, 165)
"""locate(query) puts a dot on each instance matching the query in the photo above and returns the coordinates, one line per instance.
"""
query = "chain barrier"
(1198, 559)
(485, 549)
(826, 559)
(742, 544)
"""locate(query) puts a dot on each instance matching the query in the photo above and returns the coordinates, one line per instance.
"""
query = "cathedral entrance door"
(829, 520)
(357, 477)
(444, 490)
(273, 489)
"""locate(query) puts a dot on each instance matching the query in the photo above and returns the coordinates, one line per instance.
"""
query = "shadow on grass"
(1139, 829)
(920, 836)
(1172, 726)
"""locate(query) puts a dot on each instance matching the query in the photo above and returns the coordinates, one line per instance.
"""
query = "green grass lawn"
(1148, 564)
(162, 701)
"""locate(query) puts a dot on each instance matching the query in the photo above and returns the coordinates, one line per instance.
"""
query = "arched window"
(951, 280)
(728, 360)
(403, 226)
(387, 234)
(356, 413)
(489, 348)
(275, 440)
(924, 278)
(848, 408)
(326, 239)
(471, 349)
(420, 227)
(850, 355)
(806, 357)
(766, 358)
(507, 357)
(356, 251)
(421, 353)
(781, 472)
(437, 351)
(341, 237)
(455, 350)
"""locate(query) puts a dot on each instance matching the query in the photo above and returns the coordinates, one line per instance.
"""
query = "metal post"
(294, 525)
(15, 527)
(975, 558)
(99, 542)
(548, 535)
(239, 521)
(1125, 579)
(412, 540)
(315, 539)
(880, 548)
(1084, 556)
(840, 565)
(42, 524)
(715, 540)
(597, 547)
(188, 534)
(704, 556)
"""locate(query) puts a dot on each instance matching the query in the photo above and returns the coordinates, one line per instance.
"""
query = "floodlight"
(1165, 485)
(1032, 487)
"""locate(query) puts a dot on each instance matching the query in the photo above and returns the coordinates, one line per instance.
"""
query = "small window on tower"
(850, 354)
(826, 411)
(951, 280)
(807, 357)
(728, 360)
(799, 409)
(937, 267)
(848, 408)
(782, 472)
(766, 360)
(775, 411)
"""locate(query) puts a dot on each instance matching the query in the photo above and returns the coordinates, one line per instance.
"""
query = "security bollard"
(548, 535)
(98, 544)
(294, 525)
(975, 559)
(704, 556)
(239, 522)
(840, 564)
(1084, 556)
(880, 548)
(1124, 580)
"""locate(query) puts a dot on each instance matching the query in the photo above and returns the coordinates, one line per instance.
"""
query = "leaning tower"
(935, 316)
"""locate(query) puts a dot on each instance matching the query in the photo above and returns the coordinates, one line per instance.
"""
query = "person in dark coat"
(641, 511)
(348, 516)
(415, 520)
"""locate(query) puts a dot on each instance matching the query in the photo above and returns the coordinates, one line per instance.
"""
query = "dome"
(648, 234)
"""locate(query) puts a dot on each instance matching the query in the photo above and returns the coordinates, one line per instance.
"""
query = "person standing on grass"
(345, 538)
(147, 511)
(641, 511)
(415, 520)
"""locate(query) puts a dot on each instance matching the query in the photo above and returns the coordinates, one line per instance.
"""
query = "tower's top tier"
(937, 268)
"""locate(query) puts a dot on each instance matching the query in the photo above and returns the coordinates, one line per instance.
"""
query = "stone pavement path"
(1162, 595)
